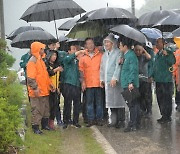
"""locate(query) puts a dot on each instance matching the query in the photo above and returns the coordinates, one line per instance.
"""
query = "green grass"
(68, 141)
(71, 140)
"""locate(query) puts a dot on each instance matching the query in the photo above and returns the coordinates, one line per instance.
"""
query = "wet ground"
(152, 138)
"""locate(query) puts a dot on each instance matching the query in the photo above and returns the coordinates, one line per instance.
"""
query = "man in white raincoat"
(109, 77)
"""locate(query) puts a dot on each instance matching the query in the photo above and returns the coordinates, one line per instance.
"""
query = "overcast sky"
(15, 8)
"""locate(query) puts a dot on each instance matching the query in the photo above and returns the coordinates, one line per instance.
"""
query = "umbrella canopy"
(152, 33)
(87, 29)
(68, 24)
(72, 41)
(169, 23)
(25, 39)
(175, 33)
(131, 33)
(21, 30)
(49, 10)
(151, 18)
(110, 15)
(63, 38)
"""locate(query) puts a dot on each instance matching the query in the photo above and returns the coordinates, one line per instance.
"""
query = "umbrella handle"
(55, 25)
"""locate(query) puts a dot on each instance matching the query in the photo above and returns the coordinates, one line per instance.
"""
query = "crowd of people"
(100, 81)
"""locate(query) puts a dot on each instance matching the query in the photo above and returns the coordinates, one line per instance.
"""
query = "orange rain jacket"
(90, 67)
(37, 75)
(176, 65)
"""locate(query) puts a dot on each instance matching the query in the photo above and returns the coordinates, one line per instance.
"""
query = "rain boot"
(51, 124)
(44, 124)
(36, 129)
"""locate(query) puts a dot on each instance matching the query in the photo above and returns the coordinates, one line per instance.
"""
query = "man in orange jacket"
(39, 85)
(176, 71)
(89, 66)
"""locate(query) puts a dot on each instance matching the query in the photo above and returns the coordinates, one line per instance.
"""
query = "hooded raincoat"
(37, 75)
(110, 70)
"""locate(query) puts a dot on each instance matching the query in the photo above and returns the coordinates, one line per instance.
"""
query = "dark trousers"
(94, 104)
(135, 113)
(177, 97)
(134, 109)
(105, 110)
(146, 97)
(54, 101)
(164, 98)
(71, 93)
(58, 111)
(84, 110)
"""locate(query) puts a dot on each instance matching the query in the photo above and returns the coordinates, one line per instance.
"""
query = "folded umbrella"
(21, 30)
(25, 39)
(129, 96)
(130, 33)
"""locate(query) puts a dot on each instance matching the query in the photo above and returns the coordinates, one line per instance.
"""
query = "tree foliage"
(11, 97)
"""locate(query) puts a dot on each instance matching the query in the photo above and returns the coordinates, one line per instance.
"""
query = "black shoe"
(160, 120)
(130, 129)
(77, 125)
(148, 115)
(120, 124)
(89, 124)
(165, 120)
(99, 123)
(65, 126)
(178, 108)
(70, 122)
(36, 129)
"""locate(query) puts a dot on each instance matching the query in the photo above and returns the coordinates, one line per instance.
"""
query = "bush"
(11, 98)
(9, 122)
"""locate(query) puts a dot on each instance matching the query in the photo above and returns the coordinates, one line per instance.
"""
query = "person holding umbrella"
(39, 85)
(109, 77)
(130, 81)
(162, 75)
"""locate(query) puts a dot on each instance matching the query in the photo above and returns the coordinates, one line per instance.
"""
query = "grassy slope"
(71, 140)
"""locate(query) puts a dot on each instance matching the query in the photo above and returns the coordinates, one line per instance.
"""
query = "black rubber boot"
(36, 129)
(44, 124)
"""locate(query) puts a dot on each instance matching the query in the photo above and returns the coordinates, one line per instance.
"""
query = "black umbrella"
(109, 16)
(63, 38)
(25, 39)
(151, 18)
(21, 30)
(68, 24)
(49, 10)
(175, 33)
(131, 33)
(169, 23)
